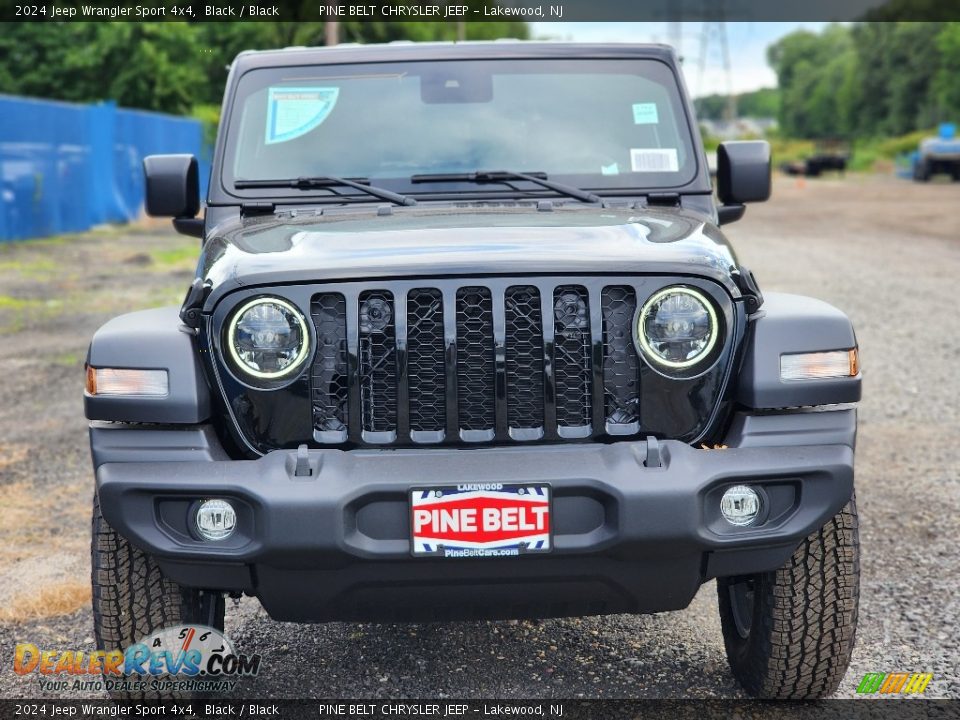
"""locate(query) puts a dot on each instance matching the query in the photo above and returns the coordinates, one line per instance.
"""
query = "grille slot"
(377, 366)
(476, 373)
(328, 376)
(621, 365)
(571, 311)
(425, 363)
(524, 362)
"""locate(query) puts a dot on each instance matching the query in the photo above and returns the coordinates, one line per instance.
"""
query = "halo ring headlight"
(267, 338)
(676, 328)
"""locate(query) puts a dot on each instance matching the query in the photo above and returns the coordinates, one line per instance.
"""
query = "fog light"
(216, 519)
(740, 505)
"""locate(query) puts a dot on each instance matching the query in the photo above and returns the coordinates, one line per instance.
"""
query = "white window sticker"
(645, 114)
(611, 169)
(654, 160)
(292, 112)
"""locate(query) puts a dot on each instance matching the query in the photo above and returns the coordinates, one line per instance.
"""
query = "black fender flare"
(794, 324)
(152, 340)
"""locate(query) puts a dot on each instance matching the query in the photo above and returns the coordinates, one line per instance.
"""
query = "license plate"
(480, 520)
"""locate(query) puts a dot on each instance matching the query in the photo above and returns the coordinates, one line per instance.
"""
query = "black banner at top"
(476, 10)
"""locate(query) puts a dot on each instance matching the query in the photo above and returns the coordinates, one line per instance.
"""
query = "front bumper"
(335, 545)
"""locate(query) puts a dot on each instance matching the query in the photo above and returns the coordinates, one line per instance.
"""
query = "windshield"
(596, 124)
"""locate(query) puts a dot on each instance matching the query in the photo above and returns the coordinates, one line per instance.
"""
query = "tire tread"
(804, 629)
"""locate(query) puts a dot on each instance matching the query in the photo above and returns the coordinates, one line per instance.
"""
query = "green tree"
(946, 78)
(897, 61)
(762, 103)
(812, 71)
(173, 67)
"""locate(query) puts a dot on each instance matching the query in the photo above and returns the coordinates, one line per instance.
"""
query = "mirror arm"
(730, 213)
(192, 227)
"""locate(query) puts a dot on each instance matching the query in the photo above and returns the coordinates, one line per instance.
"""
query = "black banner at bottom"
(481, 709)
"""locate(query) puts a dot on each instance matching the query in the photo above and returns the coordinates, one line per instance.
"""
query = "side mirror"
(173, 190)
(743, 176)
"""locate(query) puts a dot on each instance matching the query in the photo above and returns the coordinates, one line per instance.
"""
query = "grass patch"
(784, 150)
(8, 302)
(43, 269)
(67, 359)
(14, 312)
(53, 240)
(176, 258)
(161, 297)
(50, 601)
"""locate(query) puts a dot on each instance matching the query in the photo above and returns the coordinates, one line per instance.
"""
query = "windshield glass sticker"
(612, 169)
(654, 160)
(292, 112)
(645, 114)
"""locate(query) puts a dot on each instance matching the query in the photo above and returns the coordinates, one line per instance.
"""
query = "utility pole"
(331, 32)
(718, 30)
(461, 30)
(675, 25)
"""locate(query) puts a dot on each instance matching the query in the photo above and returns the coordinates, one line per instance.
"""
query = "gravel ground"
(887, 252)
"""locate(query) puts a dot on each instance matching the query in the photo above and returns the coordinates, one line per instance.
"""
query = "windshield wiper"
(502, 176)
(326, 182)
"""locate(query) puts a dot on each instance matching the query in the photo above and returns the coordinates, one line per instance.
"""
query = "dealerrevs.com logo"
(183, 658)
(894, 683)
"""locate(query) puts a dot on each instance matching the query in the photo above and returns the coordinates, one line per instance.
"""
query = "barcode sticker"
(654, 160)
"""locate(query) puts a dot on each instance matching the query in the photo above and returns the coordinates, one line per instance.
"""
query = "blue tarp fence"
(67, 167)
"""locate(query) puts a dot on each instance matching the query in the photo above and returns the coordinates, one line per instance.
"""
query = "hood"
(414, 242)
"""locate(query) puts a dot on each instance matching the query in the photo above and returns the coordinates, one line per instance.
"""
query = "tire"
(789, 633)
(132, 599)
(921, 172)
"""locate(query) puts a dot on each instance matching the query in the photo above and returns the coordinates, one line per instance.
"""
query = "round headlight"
(677, 328)
(267, 338)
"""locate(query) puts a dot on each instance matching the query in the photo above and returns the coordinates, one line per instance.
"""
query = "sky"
(748, 43)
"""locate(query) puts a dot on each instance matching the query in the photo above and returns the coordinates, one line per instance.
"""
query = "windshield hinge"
(664, 199)
(257, 208)
(747, 284)
(193, 303)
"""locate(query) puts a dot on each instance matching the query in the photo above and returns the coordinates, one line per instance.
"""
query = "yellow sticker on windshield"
(293, 112)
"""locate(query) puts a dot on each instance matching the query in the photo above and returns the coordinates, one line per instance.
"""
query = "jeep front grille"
(485, 361)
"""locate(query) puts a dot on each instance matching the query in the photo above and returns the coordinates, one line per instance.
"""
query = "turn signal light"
(116, 381)
(820, 365)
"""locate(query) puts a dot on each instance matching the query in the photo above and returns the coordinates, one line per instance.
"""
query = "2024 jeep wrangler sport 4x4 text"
(465, 340)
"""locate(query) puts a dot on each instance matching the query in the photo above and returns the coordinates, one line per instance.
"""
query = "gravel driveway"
(886, 252)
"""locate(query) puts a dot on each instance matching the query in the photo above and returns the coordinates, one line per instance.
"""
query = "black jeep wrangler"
(465, 341)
